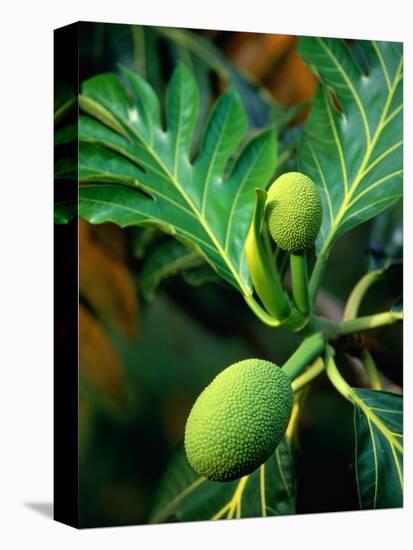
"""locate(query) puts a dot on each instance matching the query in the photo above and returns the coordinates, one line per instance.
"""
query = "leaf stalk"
(335, 377)
(359, 291)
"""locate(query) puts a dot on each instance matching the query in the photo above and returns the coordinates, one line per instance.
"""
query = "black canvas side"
(66, 294)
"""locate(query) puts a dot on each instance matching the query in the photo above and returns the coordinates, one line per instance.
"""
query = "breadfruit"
(294, 212)
(238, 420)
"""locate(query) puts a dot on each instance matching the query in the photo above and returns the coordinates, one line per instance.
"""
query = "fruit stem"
(299, 281)
(307, 351)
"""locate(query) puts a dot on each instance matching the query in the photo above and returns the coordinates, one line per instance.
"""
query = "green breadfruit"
(238, 420)
(294, 212)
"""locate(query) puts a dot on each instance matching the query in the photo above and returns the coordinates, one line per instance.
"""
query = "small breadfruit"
(294, 212)
(238, 420)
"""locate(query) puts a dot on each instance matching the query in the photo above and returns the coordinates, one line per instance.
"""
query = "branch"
(308, 350)
(368, 322)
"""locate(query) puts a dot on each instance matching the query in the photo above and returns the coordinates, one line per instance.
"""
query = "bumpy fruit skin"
(238, 420)
(294, 212)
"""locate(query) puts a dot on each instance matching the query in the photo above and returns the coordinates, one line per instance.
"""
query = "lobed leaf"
(134, 172)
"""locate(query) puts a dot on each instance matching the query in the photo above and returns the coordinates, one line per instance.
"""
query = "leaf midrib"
(201, 218)
(351, 87)
(211, 165)
(377, 422)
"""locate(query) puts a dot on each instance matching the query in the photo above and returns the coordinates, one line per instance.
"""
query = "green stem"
(299, 281)
(308, 376)
(358, 293)
(371, 370)
(316, 276)
(261, 313)
(297, 322)
(307, 351)
(335, 377)
(368, 322)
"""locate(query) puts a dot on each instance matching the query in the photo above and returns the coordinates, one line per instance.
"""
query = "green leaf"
(352, 142)
(261, 108)
(166, 260)
(133, 172)
(202, 74)
(184, 496)
(378, 422)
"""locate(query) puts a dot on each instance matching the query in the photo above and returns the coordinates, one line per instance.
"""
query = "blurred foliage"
(138, 384)
(273, 60)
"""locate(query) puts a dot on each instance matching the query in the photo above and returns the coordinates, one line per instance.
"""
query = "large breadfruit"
(238, 420)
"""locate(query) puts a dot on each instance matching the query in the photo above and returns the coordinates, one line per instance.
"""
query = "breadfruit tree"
(236, 214)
